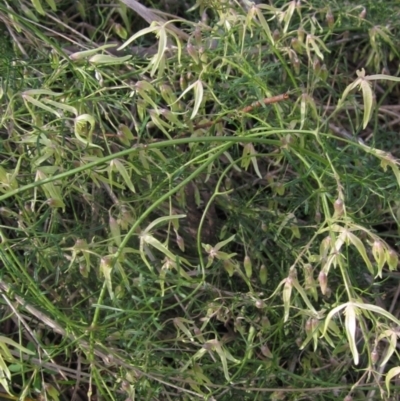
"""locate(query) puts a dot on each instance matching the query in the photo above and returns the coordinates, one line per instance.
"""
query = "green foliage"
(203, 207)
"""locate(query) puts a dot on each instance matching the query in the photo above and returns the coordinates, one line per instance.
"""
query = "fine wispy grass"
(199, 200)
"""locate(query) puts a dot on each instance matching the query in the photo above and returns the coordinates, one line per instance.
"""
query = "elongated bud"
(229, 266)
(80, 244)
(265, 323)
(308, 326)
(296, 45)
(276, 35)
(338, 206)
(323, 74)
(301, 33)
(192, 52)
(266, 351)
(363, 13)
(325, 247)
(55, 203)
(248, 266)
(263, 274)
(314, 324)
(330, 19)
(183, 83)
(120, 31)
(180, 241)
(167, 94)
(259, 304)
(316, 66)
(378, 251)
(323, 282)
(124, 134)
(296, 65)
(115, 230)
(83, 270)
(392, 259)
(374, 356)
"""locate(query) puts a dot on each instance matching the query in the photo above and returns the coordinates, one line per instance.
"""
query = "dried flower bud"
(316, 66)
(259, 304)
(314, 324)
(125, 386)
(276, 35)
(265, 323)
(308, 326)
(338, 206)
(296, 65)
(266, 351)
(392, 259)
(317, 217)
(330, 19)
(374, 356)
(197, 36)
(292, 273)
(323, 281)
(296, 45)
(363, 13)
(378, 251)
(192, 52)
(83, 270)
(168, 94)
(180, 242)
(115, 230)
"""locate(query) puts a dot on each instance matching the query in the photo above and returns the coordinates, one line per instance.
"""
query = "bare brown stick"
(266, 101)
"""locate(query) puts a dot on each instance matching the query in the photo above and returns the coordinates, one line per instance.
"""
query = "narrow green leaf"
(223, 243)
(52, 4)
(61, 106)
(11, 342)
(40, 105)
(350, 326)
(33, 92)
(149, 239)
(105, 59)
(361, 249)
(161, 220)
(198, 97)
(38, 6)
(390, 375)
(87, 53)
(124, 174)
(368, 101)
(151, 28)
